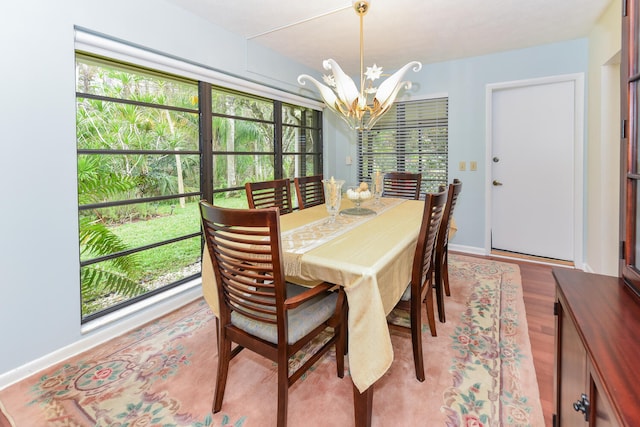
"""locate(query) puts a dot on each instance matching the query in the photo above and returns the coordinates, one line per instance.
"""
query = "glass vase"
(332, 197)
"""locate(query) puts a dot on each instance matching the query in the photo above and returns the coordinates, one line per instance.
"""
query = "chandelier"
(360, 109)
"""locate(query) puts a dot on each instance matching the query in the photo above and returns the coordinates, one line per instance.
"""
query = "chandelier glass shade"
(360, 109)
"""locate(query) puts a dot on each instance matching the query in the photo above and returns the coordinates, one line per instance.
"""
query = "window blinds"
(412, 137)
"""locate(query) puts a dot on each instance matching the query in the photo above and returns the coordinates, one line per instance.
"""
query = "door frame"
(578, 154)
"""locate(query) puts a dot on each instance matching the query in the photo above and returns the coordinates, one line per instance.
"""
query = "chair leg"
(340, 332)
(340, 355)
(428, 302)
(283, 390)
(224, 357)
(445, 273)
(345, 325)
(416, 339)
(439, 290)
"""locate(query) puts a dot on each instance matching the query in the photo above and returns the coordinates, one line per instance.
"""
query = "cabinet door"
(572, 375)
(602, 414)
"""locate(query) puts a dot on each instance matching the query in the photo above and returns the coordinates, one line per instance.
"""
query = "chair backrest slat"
(309, 191)
(267, 194)
(452, 198)
(244, 246)
(404, 185)
(431, 218)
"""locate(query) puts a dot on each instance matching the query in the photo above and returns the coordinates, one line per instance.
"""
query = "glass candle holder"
(332, 197)
(378, 186)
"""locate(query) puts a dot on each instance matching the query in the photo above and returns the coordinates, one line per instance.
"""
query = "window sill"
(146, 310)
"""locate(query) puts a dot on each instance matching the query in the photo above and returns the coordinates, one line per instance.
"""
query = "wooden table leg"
(363, 405)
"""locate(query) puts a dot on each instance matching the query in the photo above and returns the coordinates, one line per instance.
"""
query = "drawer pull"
(582, 405)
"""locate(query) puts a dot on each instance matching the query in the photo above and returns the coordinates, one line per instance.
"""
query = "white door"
(533, 169)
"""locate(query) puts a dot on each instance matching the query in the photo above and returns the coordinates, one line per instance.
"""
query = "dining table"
(370, 256)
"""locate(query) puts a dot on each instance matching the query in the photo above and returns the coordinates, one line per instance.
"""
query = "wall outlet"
(462, 166)
(473, 165)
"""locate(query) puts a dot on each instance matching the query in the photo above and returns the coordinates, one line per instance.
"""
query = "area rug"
(479, 372)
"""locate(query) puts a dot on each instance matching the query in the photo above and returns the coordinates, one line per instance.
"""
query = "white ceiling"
(397, 31)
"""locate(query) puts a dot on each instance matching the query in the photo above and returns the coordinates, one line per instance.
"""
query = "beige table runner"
(302, 239)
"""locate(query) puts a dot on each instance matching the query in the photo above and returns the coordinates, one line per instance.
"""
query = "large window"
(412, 137)
(150, 146)
(630, 111)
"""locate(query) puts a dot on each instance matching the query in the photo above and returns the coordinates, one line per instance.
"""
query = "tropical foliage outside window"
(252, 142)
(412, 137)
(145, 159)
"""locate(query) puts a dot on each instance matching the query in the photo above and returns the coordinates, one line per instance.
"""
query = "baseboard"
(531, 258)
(146, 312)
(472, 250)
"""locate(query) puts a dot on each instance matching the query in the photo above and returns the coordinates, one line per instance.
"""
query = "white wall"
(603, 152)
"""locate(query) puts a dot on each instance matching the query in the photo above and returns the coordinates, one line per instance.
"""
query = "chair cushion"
(302, 319)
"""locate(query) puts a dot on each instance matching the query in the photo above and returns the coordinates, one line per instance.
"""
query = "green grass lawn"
(170, 223)
(165, 264)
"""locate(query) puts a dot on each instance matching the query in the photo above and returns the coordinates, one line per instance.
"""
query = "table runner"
(302, 239)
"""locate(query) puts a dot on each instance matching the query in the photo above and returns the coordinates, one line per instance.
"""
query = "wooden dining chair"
(405, 185)
(266, 194)
(420, 288)
(309, 191)
(258, 309)
(441, 259)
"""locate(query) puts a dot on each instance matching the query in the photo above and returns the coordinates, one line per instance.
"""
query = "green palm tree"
(108, 277)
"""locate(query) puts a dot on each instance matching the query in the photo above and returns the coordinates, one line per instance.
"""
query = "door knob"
(496, 159)
(496, 182)
(582, 405)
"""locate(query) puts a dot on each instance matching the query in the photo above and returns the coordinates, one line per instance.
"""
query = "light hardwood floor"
(539, 296)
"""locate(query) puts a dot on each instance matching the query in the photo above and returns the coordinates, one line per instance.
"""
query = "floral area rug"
(479, 372)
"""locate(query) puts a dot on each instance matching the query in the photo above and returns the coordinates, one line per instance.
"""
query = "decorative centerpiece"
(332, 197)
(358, 194)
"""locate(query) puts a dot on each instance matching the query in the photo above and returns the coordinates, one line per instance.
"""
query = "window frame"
(206, 160)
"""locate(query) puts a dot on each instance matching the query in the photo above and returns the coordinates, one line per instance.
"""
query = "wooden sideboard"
(597, 356)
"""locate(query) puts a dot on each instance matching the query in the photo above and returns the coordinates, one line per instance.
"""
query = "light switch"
(348, 160)
(463, 166)
(473, 165)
